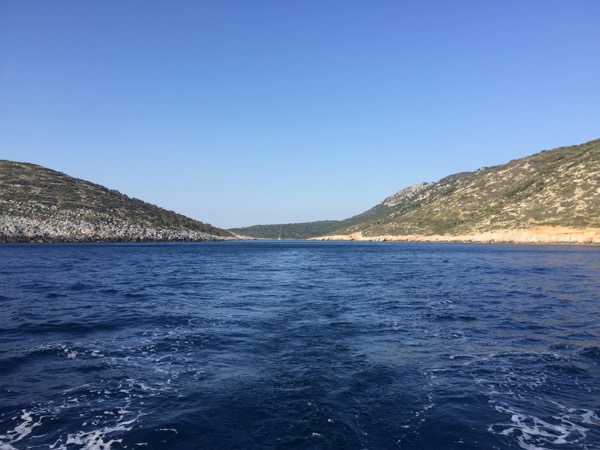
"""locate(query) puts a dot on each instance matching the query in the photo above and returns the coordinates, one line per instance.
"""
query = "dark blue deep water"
(306, 345)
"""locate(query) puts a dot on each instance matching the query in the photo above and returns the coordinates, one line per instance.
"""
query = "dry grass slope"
(552, 188)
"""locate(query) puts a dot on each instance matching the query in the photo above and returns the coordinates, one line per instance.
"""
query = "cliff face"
(554, 188)
(42, 205)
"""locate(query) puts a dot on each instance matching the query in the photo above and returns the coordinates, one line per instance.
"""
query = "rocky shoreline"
(531, 235)
(19, 229)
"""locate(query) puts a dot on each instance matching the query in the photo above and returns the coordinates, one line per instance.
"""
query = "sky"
(241, 112)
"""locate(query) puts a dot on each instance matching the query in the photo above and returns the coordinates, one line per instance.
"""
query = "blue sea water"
(305, 345)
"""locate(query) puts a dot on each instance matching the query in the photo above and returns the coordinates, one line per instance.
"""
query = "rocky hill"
(554, 188)
(43, 205)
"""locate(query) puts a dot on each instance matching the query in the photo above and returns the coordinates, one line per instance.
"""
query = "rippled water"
(299, 345)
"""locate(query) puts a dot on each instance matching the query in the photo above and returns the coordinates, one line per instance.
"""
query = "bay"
(294, 344)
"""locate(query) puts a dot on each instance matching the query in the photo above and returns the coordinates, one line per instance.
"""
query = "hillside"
(558, 187)
(43, 205)
(310, 229)
(553, 188)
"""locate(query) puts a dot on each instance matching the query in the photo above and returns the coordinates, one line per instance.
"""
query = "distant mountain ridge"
(42, 205)
(552, 188)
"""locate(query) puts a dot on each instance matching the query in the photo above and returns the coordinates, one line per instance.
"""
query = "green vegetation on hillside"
(553, 187)
(34, 192)
(309, 229)
(289, 230)
(556, 187)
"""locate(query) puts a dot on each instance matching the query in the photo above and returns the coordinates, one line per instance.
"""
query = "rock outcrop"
(19, 229)
(42, 205)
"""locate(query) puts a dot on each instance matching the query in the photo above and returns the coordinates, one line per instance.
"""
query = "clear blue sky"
(241, 112)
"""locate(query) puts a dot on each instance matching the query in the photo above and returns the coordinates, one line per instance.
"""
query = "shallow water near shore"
(289, 344)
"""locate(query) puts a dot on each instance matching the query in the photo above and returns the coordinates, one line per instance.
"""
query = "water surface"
(299, 345)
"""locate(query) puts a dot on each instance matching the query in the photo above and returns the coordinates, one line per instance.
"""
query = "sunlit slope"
(558, 187)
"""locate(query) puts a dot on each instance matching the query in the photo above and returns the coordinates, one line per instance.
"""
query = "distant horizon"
(239, 114)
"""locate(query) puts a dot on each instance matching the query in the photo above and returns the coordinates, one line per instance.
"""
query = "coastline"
(26, 230)
(544, 234)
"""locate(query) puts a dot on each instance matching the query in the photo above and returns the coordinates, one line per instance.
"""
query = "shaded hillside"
(289, 230)
(307, 230)
(556, 187)
(39, 204)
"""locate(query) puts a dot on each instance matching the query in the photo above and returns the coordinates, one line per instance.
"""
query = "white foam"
(21, 431)
(95, 439)
(533, 433)
(591, 418)
(6, 446)
(71, 354)
(66, 349)
(103, 431)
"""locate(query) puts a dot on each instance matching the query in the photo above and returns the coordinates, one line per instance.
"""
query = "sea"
(299, 344)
